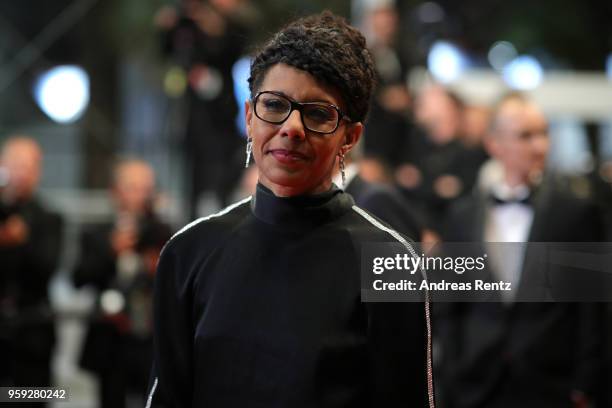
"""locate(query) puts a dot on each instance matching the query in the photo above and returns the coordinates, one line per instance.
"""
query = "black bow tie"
(499, 201)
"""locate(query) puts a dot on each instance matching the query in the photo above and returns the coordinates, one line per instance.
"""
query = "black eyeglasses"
(274, 107)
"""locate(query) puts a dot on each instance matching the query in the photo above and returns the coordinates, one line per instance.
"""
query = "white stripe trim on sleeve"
(397, 236)
(150, 398)
(185, 228)
(208, 217)
(391, 232)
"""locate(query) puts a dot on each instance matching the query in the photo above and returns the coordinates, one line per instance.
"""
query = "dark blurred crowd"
(30, 237)
(117, 258)
(431, 165)
(204, 39)
(481, 174)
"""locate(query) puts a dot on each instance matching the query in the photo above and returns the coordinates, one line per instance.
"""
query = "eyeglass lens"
(317, 117)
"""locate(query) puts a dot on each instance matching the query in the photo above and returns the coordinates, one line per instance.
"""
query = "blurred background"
(116, 97)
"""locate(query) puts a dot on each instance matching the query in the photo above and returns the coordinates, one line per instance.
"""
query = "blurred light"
(569, 146)
(175, 82)
(523, 73)
(63, 93)
(445, 61)
(112, 301)
(240, 74)
(430, 12)
(501, 53)
(609, 66)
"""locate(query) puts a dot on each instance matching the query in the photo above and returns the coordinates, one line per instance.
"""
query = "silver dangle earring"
(342, 169)
(249, 149)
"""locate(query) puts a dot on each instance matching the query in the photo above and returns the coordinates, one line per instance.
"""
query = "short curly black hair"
(328, 48)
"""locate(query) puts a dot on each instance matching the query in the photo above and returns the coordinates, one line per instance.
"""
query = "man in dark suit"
(118, 258)
(30, 245)
(510, 354)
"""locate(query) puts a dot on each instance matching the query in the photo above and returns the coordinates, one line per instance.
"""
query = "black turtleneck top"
(259, 306)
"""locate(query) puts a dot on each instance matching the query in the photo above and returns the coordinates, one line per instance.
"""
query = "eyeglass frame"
(299, 106)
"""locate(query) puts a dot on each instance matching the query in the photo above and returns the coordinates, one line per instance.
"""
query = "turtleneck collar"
(299, 211)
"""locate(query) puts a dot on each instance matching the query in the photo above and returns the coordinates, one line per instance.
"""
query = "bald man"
(118, 259)
(30, 238)
(20, 163)
(512, 354)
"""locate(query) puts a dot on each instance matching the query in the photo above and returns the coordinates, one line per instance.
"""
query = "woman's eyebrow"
(307, 100)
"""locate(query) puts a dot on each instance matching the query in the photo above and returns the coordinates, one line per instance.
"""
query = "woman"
(259, 305)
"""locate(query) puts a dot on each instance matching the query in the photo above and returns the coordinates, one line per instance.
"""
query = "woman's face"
(291, 159)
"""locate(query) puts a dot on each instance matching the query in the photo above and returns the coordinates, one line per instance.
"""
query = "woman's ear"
(353, 134)
(248, 112)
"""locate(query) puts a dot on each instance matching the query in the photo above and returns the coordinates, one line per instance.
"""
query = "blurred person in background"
(381, 199)
(389, 122)
(205, 38)
(30, 247)
(475, 121)
(435, 167)
(118, 259)
(511, 354)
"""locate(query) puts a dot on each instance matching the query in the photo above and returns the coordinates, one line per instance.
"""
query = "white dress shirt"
(508, 222)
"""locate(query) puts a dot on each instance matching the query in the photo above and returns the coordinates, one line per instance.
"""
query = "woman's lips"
(287, 156)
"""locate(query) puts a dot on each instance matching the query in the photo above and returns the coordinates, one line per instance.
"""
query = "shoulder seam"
(208, 217)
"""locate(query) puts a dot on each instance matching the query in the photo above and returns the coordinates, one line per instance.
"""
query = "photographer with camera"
(202, 40)
(30, 240)
(118, 258)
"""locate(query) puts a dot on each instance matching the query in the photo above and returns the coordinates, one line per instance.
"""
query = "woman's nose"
(293, 126)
